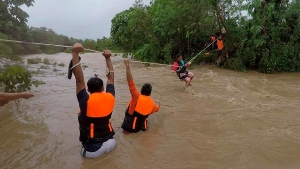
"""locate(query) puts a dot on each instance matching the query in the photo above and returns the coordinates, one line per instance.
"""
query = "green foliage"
(5, 50)
(46, 61)
(13, 19)
(68, 50)
(61, 65)
(35, 60)
(44, 67)
(84, 66)
(236, 64)
(266, 38)
(104, 43)
(17, 79)
(158, 32)
(13, 27)
(55, 70)
(89, 44)
(272, 40)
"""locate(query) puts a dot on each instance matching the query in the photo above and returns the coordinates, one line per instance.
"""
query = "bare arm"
(5, 97)
(128, 71)
(111, 77)
(77, 69)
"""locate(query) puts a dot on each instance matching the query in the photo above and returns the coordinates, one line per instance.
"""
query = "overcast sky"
(77, 18)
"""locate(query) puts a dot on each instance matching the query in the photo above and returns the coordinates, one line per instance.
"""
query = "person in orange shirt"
(221, 49)
(140, 106)
(6, 97)
(96, 132)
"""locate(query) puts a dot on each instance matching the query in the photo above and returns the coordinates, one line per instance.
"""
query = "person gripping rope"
(181, 70)
(140, 106)
(96, 132)
(222, 53)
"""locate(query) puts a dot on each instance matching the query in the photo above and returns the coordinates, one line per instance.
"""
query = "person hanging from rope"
(181, 70)
(6, 97)
(140, 106)
(96, 132)
(222, 53)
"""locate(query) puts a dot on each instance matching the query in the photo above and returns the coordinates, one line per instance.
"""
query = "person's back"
(220, 44)
(140, 106)
(94, 120)
(96, 132)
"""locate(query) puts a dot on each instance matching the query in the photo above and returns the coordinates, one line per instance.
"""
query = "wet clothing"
(138, 110)
(180, 69)
(212, 39)
(222, 54)
(101, 148)
(94, 119)
(220, 44)
(188, 77)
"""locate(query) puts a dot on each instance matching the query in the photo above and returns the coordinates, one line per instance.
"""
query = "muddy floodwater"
(234, 120)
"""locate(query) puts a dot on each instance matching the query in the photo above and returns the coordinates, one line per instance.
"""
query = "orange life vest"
(220, 44)
(138, 120)
(95, 126)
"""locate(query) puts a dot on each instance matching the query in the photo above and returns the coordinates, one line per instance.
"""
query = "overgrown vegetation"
(13, 76)
(35, 60)
(17, 79)
(261, 34)
(61, 65)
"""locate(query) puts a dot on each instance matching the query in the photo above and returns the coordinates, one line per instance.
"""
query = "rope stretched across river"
(64, 46)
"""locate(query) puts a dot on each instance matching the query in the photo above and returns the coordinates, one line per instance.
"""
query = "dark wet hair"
(95, 84)
(146, 89)
(178, 55)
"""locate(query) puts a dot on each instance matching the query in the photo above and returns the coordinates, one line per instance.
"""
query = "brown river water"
(234, 120)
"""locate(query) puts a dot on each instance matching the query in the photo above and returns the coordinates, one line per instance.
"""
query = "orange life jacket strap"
(134, 122)
(109, 126)
(92, 130)
(145, 124)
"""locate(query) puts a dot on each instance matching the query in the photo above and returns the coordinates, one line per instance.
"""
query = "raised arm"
(135, 94)
(128, 71)
(111, 77)
(77, 70)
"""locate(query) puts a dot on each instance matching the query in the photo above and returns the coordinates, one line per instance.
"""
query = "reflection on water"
(234, 120)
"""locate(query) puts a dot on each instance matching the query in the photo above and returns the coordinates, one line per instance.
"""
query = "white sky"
(77, 18)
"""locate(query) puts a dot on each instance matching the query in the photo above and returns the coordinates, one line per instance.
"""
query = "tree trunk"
(221, 18)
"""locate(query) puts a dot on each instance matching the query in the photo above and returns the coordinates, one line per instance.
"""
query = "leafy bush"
(36, 60)
(46, 61)
(17, 79)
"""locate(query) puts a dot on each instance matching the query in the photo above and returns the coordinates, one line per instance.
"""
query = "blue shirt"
(182, 62)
